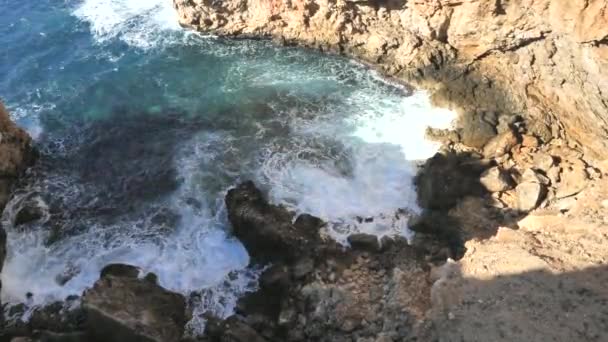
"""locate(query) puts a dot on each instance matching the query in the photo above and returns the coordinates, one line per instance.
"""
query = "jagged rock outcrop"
(542, 59)
(315, 289)
(16, 154)
(122, 307)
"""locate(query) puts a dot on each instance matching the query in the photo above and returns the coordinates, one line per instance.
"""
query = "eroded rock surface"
(317, 290)
(492, 60)
(122, 307)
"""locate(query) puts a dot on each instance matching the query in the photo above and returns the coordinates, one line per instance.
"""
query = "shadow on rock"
(120, 306)
(316, 290)
(528, 306)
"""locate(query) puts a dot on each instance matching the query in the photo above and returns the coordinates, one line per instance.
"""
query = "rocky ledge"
(316, 290)
(525, 276)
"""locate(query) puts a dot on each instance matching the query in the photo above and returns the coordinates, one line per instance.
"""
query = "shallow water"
(144, 126)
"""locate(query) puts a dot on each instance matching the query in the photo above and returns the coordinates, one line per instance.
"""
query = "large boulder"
(495, 179)
(476, 131)
(529, 195)
(446, 178)
(266, 230)
(123, 307)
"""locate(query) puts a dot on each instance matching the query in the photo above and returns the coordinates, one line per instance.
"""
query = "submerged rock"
(122, 307)
(31, 209)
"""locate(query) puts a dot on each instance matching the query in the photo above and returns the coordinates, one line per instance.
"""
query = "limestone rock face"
(544, 59)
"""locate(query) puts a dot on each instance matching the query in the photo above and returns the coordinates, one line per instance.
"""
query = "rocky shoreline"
(545, 60)
(518, 193)
(16, 154)
(314, 289)
(510, 244)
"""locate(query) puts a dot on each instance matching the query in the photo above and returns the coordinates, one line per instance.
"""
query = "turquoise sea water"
(143, 126)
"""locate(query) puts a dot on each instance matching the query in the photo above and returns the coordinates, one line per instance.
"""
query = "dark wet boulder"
(57, 318)
(58, 321)
(27, 208)
(28, 214)
(308, 223)
(119, 270)
(267, 230)
(500, 145)
(365, 242)
(122, 307)
(446, 178)
(232, 330)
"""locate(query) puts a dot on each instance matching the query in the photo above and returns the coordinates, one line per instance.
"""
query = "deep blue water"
(142, 127)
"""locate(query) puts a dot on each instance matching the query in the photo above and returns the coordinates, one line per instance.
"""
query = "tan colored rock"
(16, 154)
(500, 144)
(534, 177)
(543, 161)
(529, 141)
(496, 179)
(572, 181)
(544, 59)
(529, 195)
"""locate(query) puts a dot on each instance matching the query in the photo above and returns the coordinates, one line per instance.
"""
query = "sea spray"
(142, 128)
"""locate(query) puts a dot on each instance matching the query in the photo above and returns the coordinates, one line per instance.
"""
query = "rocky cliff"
(16, 153)
(546, 60)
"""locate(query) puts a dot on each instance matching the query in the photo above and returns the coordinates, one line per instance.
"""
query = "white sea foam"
(375, 192)
(139, 23)
(350, 162)
(197, 256)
